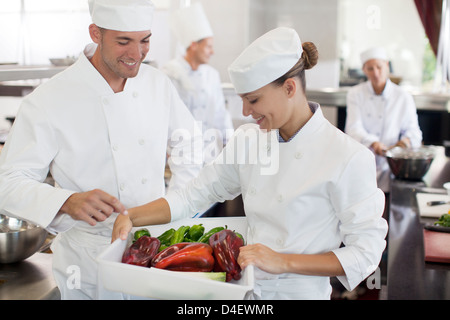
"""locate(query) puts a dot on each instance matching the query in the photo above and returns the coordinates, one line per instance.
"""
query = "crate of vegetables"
(186, 259)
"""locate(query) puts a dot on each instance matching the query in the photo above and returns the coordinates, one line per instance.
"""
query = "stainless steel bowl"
(19, 239)
(410, 164)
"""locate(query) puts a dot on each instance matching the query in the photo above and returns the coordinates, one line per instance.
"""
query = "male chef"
(198, 83)
(102, 128)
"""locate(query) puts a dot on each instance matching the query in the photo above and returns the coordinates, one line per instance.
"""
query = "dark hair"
(309, 59)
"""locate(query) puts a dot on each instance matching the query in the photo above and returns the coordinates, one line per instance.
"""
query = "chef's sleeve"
(185, 142)
(410, 124)
(217, 182)
(359, 205)
(24, 166)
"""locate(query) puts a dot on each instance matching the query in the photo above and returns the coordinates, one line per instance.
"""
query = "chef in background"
(322, 193)
(381, 114)
(197, 82)
(102, 128)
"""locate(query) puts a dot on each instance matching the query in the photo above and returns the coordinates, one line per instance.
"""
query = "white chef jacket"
(324, 193)
(386, 118)
(201, 91)
(90, 137)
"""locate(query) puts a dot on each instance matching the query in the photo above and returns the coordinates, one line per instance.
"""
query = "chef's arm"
(155, 212)
(266, 259)
(92, 206)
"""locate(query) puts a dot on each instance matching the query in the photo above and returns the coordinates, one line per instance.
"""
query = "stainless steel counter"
(338, 97)
(17, 72)
(30, 279)
(409, 277)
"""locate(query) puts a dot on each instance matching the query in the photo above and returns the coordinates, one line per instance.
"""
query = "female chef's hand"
(122, 227)
(92, 206)
(262, 257)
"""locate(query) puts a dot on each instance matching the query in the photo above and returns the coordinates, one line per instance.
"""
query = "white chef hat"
(373, 53)
(122, 15)
(265, 60)
(190, 24)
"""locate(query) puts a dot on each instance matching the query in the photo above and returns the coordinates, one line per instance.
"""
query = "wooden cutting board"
(432, 211)
(436, 246)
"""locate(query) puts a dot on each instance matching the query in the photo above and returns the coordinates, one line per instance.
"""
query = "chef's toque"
(122, 15)
(373, 53)
(190, 24)
(265, 60)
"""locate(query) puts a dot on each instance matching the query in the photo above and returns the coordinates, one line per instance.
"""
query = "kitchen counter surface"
(409, 277)
(338, 97)
(30, 279)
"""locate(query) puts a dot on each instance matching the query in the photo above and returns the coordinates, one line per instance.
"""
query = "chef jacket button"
(279, 241)
(252, 191)
(115, 147)
(298, 155)
(105, 101)
(135, 94)
(141, 142)
(122, 186)
(280, 198)
(144, 180)
(268, 147)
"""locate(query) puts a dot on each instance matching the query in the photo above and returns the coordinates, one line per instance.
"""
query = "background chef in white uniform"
(197, 82)
(102, 128)
(381, 114)
(322, 193)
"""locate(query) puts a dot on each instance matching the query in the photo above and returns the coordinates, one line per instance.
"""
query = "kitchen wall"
(340, 28)
(394, 25)
(32, 31)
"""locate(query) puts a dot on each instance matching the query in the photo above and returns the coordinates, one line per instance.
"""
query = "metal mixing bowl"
(19, 239)
(410, 164)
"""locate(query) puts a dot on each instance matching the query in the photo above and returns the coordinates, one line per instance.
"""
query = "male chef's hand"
(92, 206)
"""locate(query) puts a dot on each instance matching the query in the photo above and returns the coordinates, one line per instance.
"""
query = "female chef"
(380, 114)
(323, 193)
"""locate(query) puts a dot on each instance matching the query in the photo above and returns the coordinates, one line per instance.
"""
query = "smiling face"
(278, 107)
(119, 54)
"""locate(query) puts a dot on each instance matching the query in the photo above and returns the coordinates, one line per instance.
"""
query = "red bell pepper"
(185, 256)
(226, 246)
(142, 251)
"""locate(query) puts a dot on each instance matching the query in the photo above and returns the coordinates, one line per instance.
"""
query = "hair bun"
(310, 55)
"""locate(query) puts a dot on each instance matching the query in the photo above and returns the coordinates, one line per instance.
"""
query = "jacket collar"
(386, 91)
(89, 73)
(309, 127)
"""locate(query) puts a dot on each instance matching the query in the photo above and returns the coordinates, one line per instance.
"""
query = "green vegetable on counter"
(444, 220)
(195, 232)
(166, 236)
(217, 276)
(141, 232)
(179, 235)
(207, 235)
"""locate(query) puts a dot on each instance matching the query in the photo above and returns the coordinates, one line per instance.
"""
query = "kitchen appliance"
(19, 239)
(410, 164)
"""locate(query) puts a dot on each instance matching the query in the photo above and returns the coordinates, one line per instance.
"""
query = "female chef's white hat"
(373, 53)
(265, 60)
(122, 15)
(190, 24)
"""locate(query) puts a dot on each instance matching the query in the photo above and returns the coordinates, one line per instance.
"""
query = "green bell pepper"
(195, 232)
